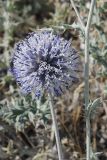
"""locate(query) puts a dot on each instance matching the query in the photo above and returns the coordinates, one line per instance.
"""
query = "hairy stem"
(86, 29)
(59, 148)
(86, 76)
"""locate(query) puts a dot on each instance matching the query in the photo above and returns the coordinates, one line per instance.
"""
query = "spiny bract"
(44, 61)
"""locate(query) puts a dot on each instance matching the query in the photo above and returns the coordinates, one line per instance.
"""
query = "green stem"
(59, 148)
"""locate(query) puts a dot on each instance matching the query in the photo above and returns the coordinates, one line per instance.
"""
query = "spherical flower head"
(44, 61)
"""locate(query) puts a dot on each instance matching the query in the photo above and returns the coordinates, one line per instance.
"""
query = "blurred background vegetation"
(25, 125)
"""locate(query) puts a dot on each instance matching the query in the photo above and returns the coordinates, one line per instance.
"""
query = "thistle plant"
(44, 61)
(86, 30)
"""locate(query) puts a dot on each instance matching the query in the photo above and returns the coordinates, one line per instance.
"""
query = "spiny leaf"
(93, 106)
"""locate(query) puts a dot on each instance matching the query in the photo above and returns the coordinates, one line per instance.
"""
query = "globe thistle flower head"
(44, 61)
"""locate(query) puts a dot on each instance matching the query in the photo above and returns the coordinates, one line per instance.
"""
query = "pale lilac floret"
(44, 61)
